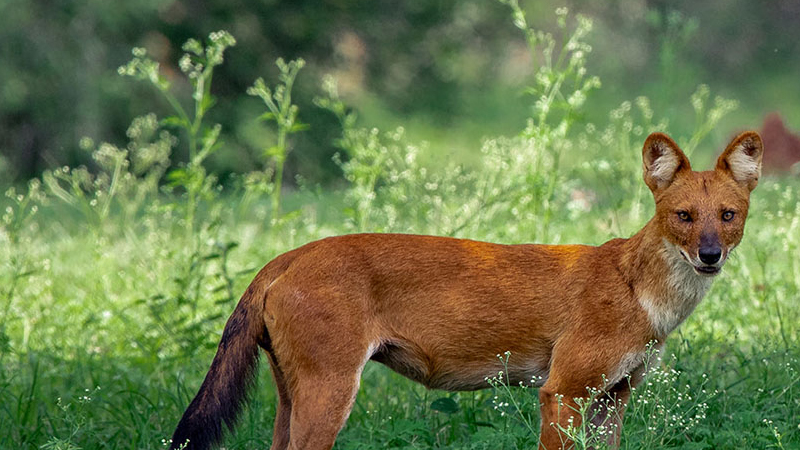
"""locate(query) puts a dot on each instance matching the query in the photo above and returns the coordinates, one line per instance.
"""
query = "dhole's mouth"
(701, 269)
(706, 270)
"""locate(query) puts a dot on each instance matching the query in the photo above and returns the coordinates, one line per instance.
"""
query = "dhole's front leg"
(574, 374)
(560, 411)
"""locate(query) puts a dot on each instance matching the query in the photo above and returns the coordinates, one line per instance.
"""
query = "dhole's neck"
(665, 285)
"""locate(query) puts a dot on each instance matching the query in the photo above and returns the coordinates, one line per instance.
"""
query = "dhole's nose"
(710, 255)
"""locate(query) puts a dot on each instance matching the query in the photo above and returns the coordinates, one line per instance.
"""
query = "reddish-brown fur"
(439, 310)
(783, 146)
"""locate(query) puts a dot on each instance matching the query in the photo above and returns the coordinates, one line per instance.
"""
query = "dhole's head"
(701, 215)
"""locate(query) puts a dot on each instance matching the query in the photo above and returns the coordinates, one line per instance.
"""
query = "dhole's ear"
(742, 159)
(662, 159)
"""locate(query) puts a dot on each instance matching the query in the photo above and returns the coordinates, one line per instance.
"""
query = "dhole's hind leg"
(280, 435)
(320, 343)
(311, 412)
(320, 407)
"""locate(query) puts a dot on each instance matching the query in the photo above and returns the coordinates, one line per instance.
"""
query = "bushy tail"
(232, 374)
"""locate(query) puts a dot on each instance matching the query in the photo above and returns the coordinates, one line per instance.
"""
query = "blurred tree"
(59, 65)
(448, 63)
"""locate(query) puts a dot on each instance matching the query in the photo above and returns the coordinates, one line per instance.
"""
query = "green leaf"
(445, 404)
(299, 127)
(207, 102)
(178, 177)
(173, 121)
(274, 151)
(267, 116)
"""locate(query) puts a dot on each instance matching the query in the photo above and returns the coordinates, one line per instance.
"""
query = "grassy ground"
(115, 284)
(108, 333)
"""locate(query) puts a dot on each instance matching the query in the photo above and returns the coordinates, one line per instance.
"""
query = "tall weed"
(284, 114)
(198, 63)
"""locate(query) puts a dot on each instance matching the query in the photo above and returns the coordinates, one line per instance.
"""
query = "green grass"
(111, 309)
(115, 282)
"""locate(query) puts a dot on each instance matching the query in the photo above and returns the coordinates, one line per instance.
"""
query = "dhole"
(439, 310)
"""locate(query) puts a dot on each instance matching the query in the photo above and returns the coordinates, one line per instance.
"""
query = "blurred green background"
(450, 71)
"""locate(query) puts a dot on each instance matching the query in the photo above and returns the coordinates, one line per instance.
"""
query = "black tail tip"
(190, 435)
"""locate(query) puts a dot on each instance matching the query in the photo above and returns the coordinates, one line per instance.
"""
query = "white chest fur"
(669, 305)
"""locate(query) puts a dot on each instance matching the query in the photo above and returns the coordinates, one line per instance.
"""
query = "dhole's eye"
(727, 216)
(684, 216)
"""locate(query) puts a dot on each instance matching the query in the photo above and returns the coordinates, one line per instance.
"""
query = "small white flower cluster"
(143, 68)
(167, 442)
(666, 404)
(87, 395)
(775, 433)
(22, 207)
(197, 58)
(508, 402)
(499, 405)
